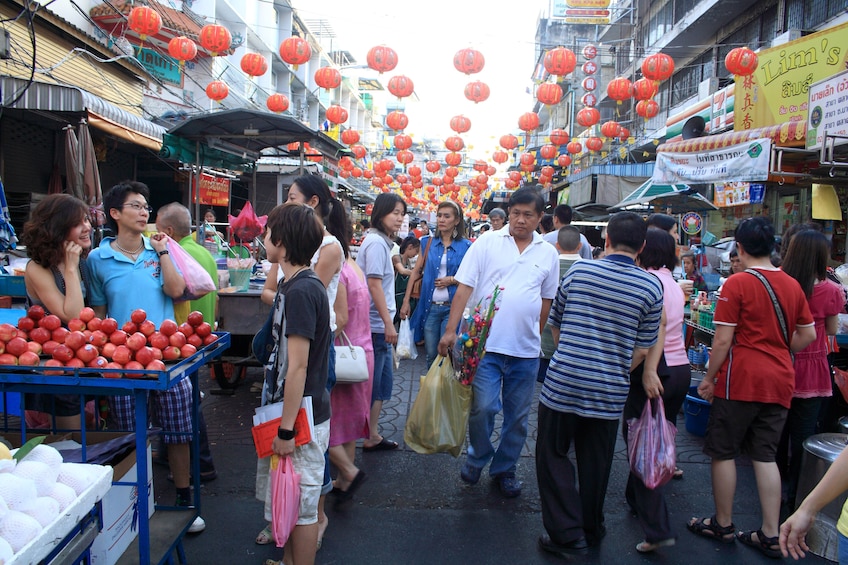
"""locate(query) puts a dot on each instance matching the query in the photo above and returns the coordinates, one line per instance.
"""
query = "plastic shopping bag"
(198, 282)
(406, 344)
(247, 225)
(285, 498)
(439, 417)
(840, 377)
(650, 445)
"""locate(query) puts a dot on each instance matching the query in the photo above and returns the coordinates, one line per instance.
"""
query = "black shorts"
(752, 428)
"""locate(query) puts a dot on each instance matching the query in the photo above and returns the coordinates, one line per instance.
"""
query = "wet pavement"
(415, 509)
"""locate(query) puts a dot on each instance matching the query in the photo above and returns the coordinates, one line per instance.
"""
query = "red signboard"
(214, 191)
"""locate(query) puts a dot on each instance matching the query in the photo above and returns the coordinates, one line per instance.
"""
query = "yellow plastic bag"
(439, 417)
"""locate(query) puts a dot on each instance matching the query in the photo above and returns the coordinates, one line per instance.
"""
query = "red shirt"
(759, 367)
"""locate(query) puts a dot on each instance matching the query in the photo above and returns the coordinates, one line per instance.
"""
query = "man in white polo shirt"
(518, 260)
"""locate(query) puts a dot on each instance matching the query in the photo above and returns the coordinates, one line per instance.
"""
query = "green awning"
(678, 198)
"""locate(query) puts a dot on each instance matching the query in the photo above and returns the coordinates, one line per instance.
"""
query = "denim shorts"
(383, 376)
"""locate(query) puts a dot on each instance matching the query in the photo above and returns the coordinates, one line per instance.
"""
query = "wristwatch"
(285, 435)
(163, 252)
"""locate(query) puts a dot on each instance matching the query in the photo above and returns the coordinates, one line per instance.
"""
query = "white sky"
(426, 35)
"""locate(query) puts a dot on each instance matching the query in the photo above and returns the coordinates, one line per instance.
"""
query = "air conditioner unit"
(707, 87)
(786, 37)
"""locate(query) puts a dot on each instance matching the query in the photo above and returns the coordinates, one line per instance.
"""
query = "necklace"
(129, 253)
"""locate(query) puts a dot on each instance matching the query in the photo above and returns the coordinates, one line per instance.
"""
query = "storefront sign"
(581, 11)
(214, 191)
(778, 91)
(828, 110)
(162, 67)
(747, 161)
(562, 196)
(738, 193)
(690, 223)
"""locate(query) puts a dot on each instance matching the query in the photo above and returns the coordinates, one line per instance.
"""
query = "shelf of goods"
(160, 535)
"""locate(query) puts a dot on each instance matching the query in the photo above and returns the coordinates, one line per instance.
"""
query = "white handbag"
(351, 363)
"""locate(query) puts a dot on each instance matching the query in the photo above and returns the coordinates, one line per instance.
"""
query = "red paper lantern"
(508, 142)
(528, 121)
(356, 172)
(490, 170)
(589, 99)
(414, 171)
(215, 39)
(403, 141)
(460, 124)
(368, 173)
(644, 88)
(574, 147)
(563, 160)
(549, 93)
(358, 151)
(437, 181)
(401, 86)
(397, 120)
(469, 61)
(144, 21)
(547, 171)
(182, 49)
(295, 51)
(658, 66)
(402, 178)
(477, 91)
(377, 181)
(453, 159)
(741, 61)
(587, 117)
(611, 129)
(527, 159)
(336, 114)
(433, 166)
(451, 172)
(382, 58)
(277, 103)
(405, 157)
(624, 134)
(480, 165)
(254, 64)
(559, 136)
(548, 151)
(619, 89)
(328, 77)
(527, 168)
(482, 179)
(344, 174)
(514, 176)
(560, 61)
(217, 90)
(500, 156)
(510, 184)
(454, 143)
(345, 162)
(647, 108)
(350, 136)
(594, 144)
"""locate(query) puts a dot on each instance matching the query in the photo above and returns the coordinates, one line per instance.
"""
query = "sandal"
(724, 534)
(770, 547)
(647, 546)
(265, 537)
(678, 474)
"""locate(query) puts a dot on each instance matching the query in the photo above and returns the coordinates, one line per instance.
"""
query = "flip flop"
(384, 445)
(265, 537)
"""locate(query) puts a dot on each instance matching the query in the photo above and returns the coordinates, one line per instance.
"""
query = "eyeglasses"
(138, 207)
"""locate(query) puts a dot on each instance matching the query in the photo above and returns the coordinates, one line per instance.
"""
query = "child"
(293, 234)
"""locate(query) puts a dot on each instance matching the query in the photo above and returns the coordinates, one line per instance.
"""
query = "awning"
(678, 198)
(283, 165)
(70, 99)
(788, 134)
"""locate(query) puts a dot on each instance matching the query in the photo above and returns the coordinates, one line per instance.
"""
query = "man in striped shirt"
(605, 318)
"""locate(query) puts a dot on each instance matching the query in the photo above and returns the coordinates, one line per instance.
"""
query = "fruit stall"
(94, 357)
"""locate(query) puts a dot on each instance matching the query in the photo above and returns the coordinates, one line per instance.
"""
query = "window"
(684, 83)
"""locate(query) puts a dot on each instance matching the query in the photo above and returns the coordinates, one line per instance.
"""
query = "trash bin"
(820, 451)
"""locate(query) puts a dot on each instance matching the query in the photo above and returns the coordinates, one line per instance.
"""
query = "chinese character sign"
(213, 191)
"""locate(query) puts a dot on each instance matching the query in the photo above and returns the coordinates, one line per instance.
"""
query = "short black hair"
(410, 240)
(660, 250)
(627, 230)
(365, 223)
(295, 227)
(384, 205)
(662, 221)
(756, 236)
(547, 223)
(568, 239)
(117, 195)
(564, 214)
(527, 195)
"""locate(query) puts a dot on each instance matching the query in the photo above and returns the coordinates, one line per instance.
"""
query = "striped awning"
(788, 134)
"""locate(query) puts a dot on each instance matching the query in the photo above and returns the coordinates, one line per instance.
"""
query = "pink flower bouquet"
(470, 346)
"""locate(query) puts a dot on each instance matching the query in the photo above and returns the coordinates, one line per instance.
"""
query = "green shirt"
(205, 305)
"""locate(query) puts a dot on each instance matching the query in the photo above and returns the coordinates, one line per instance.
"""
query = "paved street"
(414, 508)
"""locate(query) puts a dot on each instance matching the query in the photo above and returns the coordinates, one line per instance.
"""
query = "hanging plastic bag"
(247, 225)
(406, 344)
(840, 377)
(439, 417)
(198, 282)
(285, 498)
(650, 445)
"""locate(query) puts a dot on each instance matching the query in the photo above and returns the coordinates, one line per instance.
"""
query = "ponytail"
(338, 224)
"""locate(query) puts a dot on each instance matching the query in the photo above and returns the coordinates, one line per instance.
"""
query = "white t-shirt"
(526, 278)
(442, 294)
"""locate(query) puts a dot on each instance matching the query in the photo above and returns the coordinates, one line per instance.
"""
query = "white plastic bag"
(406, 343)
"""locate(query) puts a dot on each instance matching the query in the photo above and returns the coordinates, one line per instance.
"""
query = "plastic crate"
(12, 285)
(705, 319)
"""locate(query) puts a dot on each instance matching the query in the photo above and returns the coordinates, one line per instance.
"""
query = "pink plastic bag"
(650, 445)
(198, 282)
(247, 225)
(285, 498)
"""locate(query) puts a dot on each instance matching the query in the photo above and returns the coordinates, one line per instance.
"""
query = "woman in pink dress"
(351, 402)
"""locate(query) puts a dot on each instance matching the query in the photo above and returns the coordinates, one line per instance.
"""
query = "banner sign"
(213, 191)
(738, 193)
(828, 110)
(591, 12)
(162, 67)
(747, 161)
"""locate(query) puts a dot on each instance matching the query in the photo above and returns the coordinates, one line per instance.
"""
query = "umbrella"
(678, 198)
(8, 239)
(73, 170)
(90, 174)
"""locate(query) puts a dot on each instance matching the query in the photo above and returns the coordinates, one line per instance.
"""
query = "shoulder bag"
(778, 309)
(416, 284)
(351, 363)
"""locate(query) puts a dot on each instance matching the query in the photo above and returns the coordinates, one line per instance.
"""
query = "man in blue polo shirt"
(605, 318)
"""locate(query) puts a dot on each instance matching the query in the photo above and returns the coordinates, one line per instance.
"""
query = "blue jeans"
(505, 381)
(434, 328)
(843, 549)
(383, 377)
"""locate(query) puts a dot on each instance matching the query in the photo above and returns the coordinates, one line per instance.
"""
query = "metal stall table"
(241, 314)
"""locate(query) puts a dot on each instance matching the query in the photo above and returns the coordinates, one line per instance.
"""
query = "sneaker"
(470, 474)
(509, 486)
(197, 526)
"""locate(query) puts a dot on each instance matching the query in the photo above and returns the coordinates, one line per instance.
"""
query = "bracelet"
(163, 252)
(285, 435)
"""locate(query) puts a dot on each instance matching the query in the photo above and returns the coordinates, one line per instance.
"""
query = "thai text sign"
(592, 12)
(747, 161)
(778, 91)
(214, 191)
(828, 110)
(738, 193)
(160, 66)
